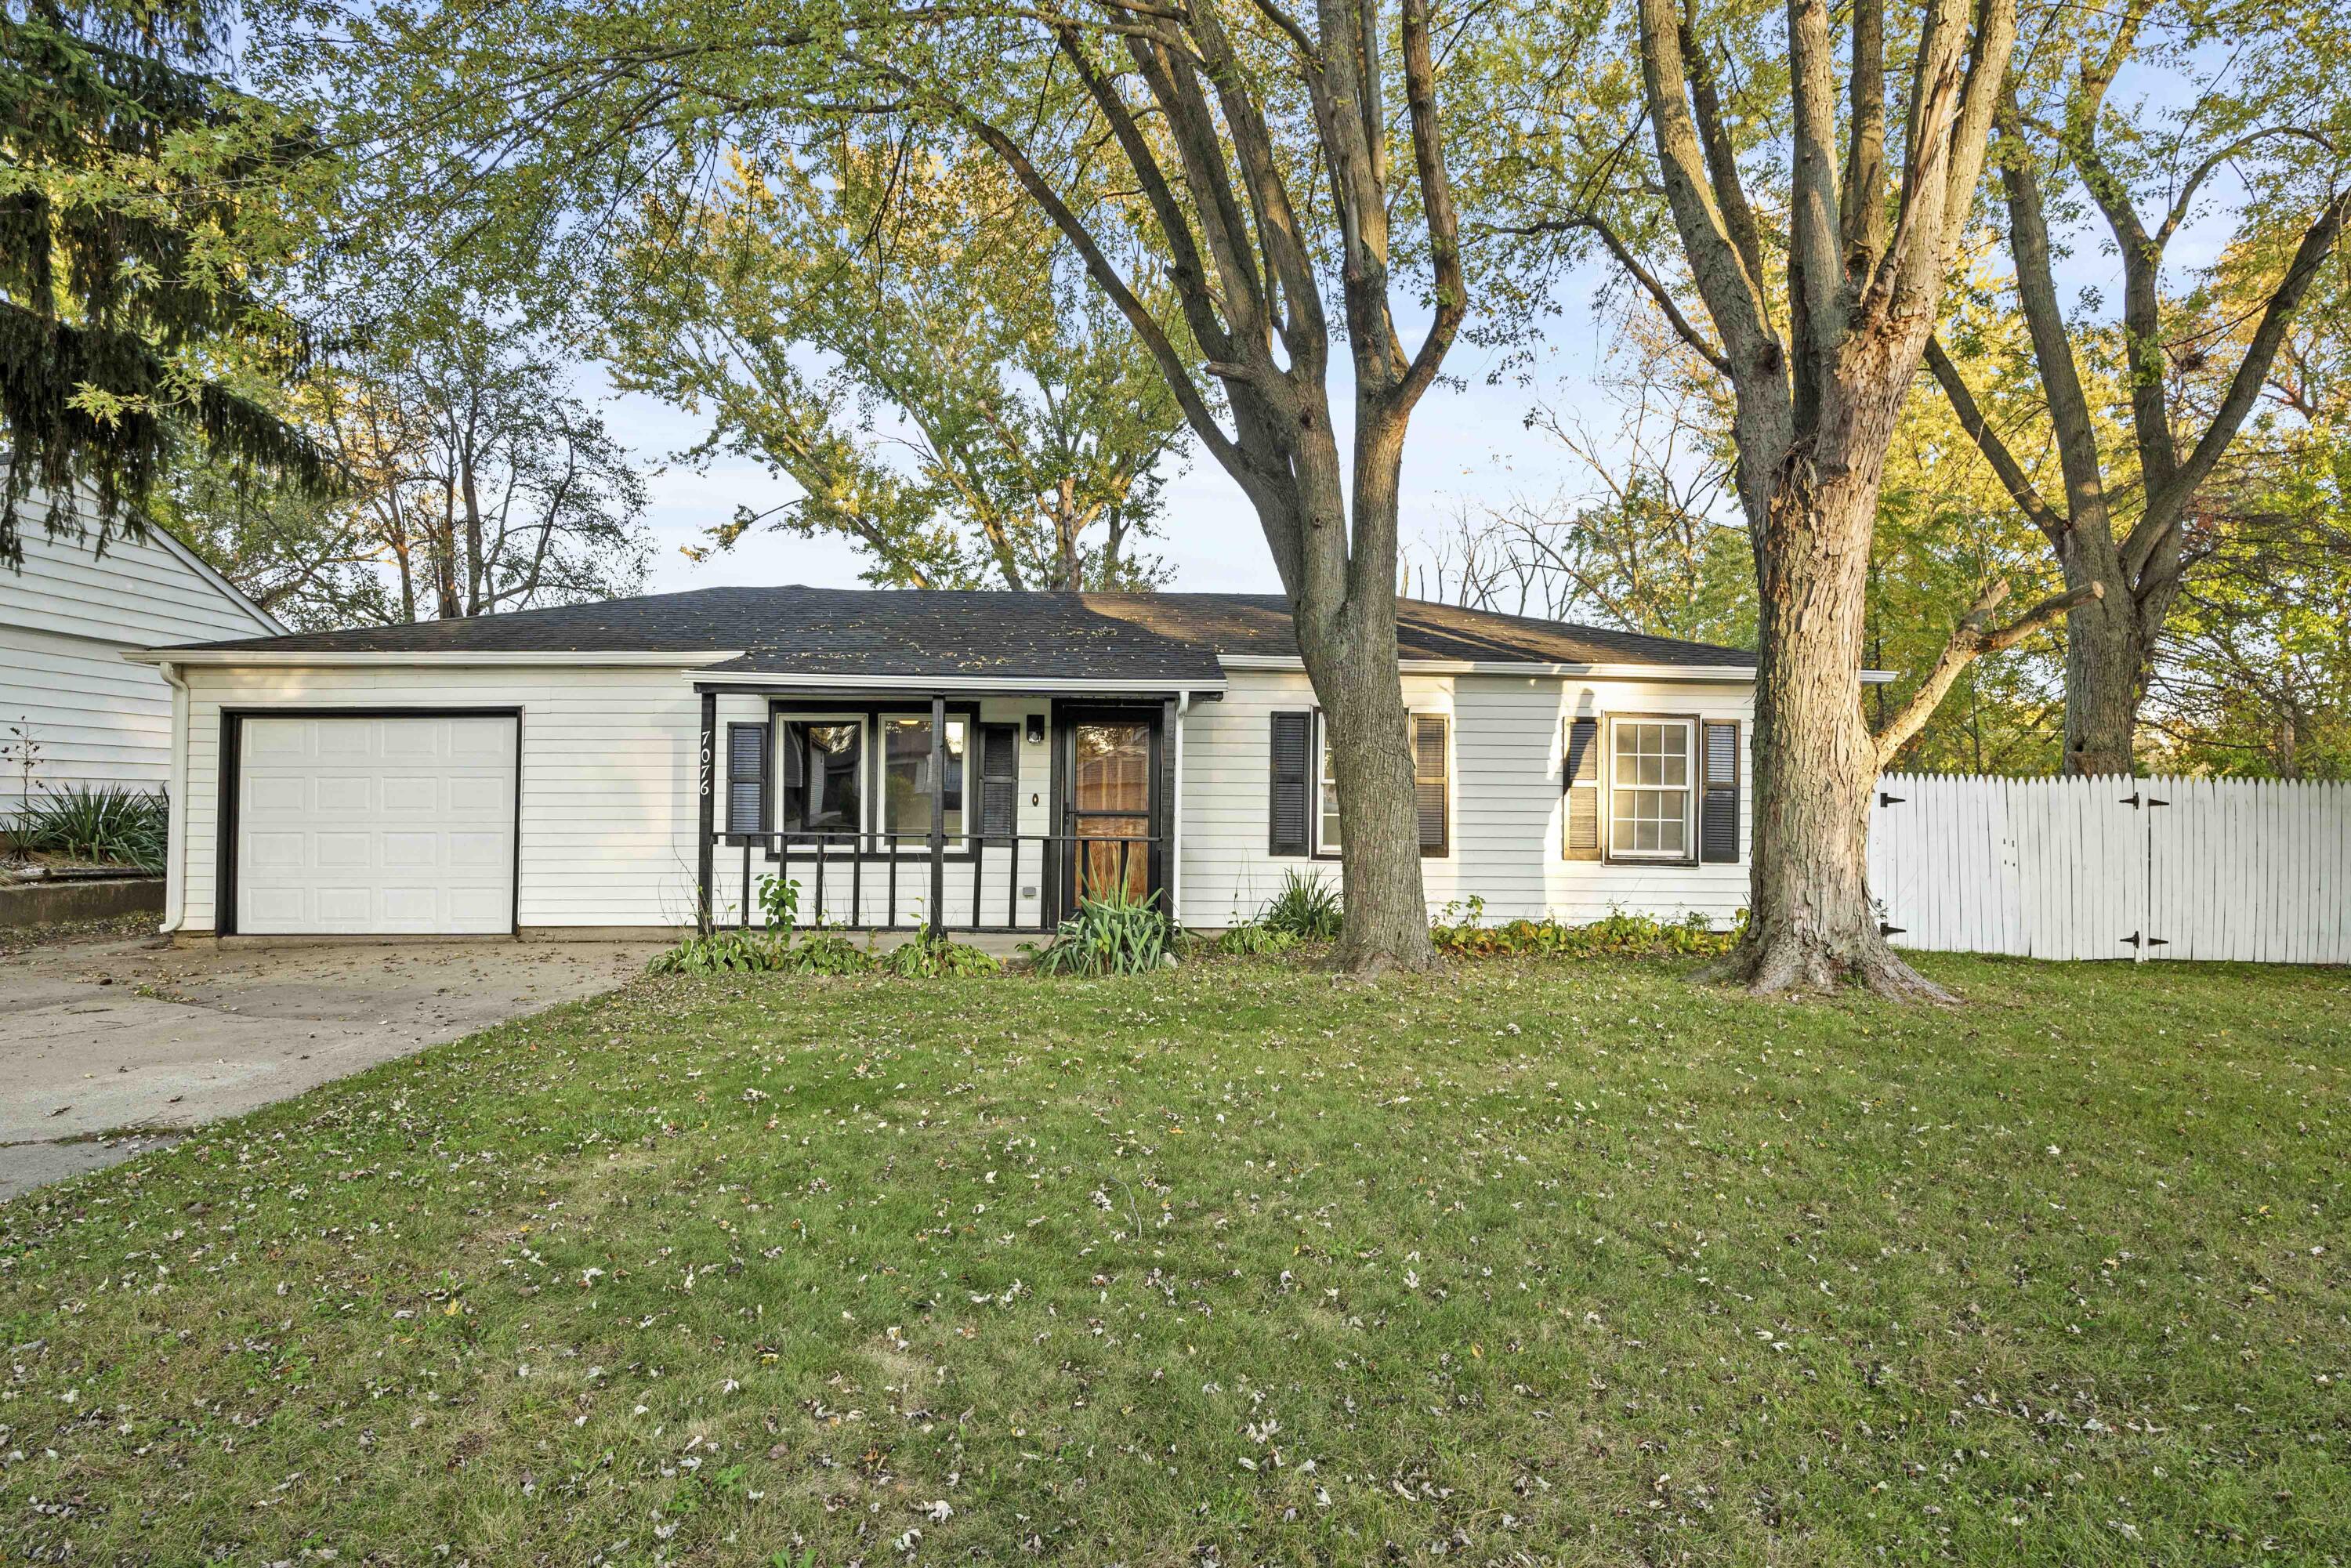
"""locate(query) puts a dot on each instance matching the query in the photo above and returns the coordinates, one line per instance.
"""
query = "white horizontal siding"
(139, 594)
(1508, 735)
(65, 620)
(609, 808)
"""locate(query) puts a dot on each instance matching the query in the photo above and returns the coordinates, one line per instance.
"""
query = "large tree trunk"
(1354, 668)
(1345, 616)
(1812, 925)
(2105, 668)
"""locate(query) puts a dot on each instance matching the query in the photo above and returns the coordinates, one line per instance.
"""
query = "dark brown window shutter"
(999, 779)
(1718, 808)
(746, 778)
(1582, 775)
(1291, 786)
(1428, 784)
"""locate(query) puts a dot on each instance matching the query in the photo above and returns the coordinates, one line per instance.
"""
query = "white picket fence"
(2115, 868)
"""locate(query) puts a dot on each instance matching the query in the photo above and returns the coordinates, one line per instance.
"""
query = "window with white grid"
(1649, 793)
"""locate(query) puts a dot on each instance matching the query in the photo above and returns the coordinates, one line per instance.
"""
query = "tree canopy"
(138, 197)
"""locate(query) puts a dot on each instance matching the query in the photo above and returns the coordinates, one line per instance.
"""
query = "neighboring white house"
(972, 759)
(65, 620)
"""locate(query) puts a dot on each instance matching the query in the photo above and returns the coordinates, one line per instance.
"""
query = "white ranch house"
(967, 760)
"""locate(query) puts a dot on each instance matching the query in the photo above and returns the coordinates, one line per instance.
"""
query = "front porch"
(900, 808)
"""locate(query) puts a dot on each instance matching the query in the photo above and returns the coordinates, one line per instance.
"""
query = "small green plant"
(127, 827)
(1112, 932)
(1254, 939)
(1307, 907)
(825, 952)
(720, 952)
(779, 902)
(929, 954)
(1460, 929)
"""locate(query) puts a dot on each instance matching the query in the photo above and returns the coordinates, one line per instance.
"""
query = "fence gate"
(2114, 867)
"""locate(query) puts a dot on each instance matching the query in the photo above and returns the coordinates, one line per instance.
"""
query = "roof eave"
(281, 658)
(1615, 671)
(1005, 686)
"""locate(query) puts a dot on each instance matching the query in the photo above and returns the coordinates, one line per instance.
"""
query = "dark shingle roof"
(1260, 623)
(1160, 638)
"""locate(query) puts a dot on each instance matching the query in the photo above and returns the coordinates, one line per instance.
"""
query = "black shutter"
(999, 779)
(1428, 784)
(1582, 776)
(1293, 760)
(747, 778)
(1717, 836)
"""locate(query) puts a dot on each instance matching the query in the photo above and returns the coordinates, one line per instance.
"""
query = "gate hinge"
(2130, 800)
(2135, 940)
(1886, 930)
(2153, 801)
(2131, 940)
(1886, 799)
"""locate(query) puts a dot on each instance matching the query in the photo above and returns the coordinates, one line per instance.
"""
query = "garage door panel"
(403, 739)
(377, 825)
(353, 796)
(411, 797)
(279, 794)
(412, 851)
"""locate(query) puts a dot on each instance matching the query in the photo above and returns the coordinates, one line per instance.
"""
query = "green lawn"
(1569, 1263)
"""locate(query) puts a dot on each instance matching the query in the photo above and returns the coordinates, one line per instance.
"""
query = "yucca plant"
(1307, 907)
(127, 827)
(1110, 933)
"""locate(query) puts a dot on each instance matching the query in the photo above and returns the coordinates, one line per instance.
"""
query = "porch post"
(709, 781)
(938, 814)
(1163, 845)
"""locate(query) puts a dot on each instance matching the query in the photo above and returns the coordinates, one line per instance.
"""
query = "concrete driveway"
(108, 1048)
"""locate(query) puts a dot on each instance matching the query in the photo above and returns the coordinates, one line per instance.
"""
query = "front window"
(824, 777)
(1649, 788)
(906, 783)
(1326, 816)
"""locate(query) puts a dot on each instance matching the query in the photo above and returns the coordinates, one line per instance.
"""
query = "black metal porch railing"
(890, 874)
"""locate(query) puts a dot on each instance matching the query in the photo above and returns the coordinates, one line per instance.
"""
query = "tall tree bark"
(1815, 408)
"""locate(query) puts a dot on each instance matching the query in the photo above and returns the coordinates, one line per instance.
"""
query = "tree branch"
(2011, 473)
(1971, 639)
(1731, 298)
(2166, 506)
(1641, 275)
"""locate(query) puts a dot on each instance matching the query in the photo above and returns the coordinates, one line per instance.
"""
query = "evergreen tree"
(140, 198)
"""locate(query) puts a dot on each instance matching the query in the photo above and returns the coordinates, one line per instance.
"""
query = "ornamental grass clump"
(1112, 932)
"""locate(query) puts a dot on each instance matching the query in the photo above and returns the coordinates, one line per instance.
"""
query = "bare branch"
(2011, 473)
(2166, 505)
(1641, 275)
(1971, 639)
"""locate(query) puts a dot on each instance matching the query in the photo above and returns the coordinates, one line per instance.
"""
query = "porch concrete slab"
(107, 1045)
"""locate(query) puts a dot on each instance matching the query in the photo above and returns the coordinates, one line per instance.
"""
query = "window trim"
(879, 718)
(1320, 739)
(1609, 853)
(777, 725)
(786, 710)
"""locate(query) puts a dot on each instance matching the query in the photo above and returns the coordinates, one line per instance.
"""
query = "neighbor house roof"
(995, 637)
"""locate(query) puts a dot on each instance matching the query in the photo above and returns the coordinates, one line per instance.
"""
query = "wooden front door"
(1111, 813)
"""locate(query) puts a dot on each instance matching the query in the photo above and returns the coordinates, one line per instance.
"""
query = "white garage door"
(352, 826)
